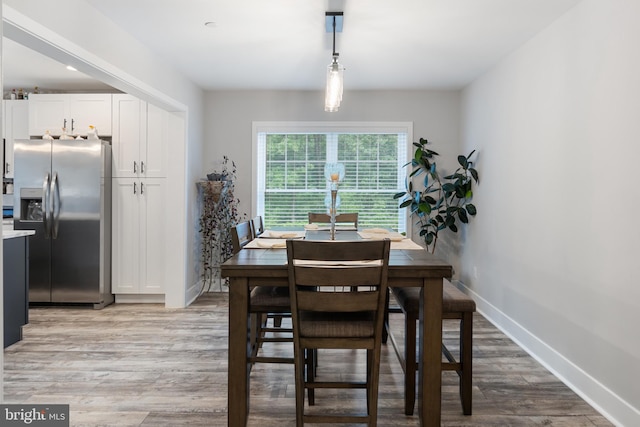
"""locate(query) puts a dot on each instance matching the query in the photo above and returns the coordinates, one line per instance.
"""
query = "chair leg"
(373, 372)
(385, 326)
(410, 364)
(299, 366)
(277, 321)
(256, 331)
(310, 365)
(466, 343)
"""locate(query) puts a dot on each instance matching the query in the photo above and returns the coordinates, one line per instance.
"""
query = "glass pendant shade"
(333, 95)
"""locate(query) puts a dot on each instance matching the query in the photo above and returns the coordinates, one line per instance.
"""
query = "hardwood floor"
(144, 365)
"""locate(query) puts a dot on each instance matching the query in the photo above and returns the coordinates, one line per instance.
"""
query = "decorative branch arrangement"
(219, 213)
(439, 202)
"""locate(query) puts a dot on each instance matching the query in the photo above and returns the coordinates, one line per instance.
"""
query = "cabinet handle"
(135, 167)
(141, 167)
(135, 188)
(64, 123)
(72, 125)
(142, 188)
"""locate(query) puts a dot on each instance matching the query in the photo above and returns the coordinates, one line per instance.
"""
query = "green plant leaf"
(471, 209)
(430, 200)
(463, 161)
(462, 214)
(448, 187)
(474, 174)
(429, 238)
(425, 207)
(453, 228)
(398, 195)
(405, 204)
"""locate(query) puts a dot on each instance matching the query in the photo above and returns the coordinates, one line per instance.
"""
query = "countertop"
(9, 233)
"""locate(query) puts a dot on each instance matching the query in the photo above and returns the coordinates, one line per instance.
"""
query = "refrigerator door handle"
(45, 205)
(55, 205)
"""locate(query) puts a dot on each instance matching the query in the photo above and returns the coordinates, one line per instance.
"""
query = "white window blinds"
(289, 160)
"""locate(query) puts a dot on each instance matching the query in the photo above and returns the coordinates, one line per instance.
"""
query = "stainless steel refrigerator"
(62, 190)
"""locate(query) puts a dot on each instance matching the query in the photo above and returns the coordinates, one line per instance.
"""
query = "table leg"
(430, 340)
(238, 370)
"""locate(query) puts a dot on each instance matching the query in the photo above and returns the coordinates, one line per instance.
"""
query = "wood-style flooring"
(144, 365)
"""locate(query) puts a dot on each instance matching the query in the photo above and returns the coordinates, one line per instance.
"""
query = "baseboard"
(192, 293)
(140, 298)
(611, 406)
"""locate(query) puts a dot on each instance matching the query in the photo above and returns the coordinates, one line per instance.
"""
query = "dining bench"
(455, 305)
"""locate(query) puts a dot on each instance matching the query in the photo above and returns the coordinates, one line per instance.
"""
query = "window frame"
(261, 127)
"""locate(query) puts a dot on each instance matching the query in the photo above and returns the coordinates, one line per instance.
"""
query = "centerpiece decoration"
(334, 173)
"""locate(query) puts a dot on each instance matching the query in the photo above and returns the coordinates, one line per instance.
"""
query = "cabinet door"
(128, 115)
(155, 151)
(48, 112)
(16, 127)
(126, 235)
(152, 240)
(87, 109)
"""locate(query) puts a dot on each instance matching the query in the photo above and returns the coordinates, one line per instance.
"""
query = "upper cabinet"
(75, 112)
(139, 139)
(16, 126)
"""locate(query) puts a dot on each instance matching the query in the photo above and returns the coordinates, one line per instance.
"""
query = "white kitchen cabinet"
(75, 112)
(16, 126)
(139, 138)
(138, 245)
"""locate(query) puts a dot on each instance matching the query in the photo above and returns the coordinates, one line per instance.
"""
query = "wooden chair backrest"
(342, 218)
(241, 235)
(322, 274)
(258, 226)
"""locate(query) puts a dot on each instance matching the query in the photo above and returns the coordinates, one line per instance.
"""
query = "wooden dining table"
(268, 267)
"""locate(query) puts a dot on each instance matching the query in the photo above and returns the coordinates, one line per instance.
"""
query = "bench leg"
(410, 364)
(466, 340)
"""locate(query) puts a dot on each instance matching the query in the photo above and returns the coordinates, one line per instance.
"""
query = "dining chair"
(342, 218)
(265, 302)
(325, 316)
(241, 235)
(258, 226)
(455, 305)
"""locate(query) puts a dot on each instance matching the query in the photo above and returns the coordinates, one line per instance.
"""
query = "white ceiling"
(282, 44)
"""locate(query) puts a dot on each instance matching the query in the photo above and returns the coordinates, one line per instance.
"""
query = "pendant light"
(333, 94)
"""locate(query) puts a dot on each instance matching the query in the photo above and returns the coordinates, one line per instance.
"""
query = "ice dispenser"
(31, 204)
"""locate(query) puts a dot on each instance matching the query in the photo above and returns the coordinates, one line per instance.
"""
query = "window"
(290, 157)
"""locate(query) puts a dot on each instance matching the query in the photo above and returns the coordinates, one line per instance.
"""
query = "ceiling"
(283, 44)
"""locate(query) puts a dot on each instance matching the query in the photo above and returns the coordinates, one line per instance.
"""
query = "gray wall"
(229, 117)
(552, 257)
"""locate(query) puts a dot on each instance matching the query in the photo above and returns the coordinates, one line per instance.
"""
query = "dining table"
(264, 263)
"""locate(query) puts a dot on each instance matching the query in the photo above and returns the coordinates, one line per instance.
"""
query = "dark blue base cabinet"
(16, 289)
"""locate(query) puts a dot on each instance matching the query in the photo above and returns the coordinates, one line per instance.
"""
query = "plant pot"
(212, 189)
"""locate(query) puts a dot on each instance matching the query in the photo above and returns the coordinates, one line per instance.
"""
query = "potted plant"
(218, 213)
(438, 203)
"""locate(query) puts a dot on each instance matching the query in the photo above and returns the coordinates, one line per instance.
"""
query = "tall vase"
(334, 194)
(334, 173)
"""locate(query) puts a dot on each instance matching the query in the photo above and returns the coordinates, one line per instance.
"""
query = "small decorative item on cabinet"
(92, 133)
(218, 213)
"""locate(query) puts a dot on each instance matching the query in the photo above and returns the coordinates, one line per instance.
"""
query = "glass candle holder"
(334, 173)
